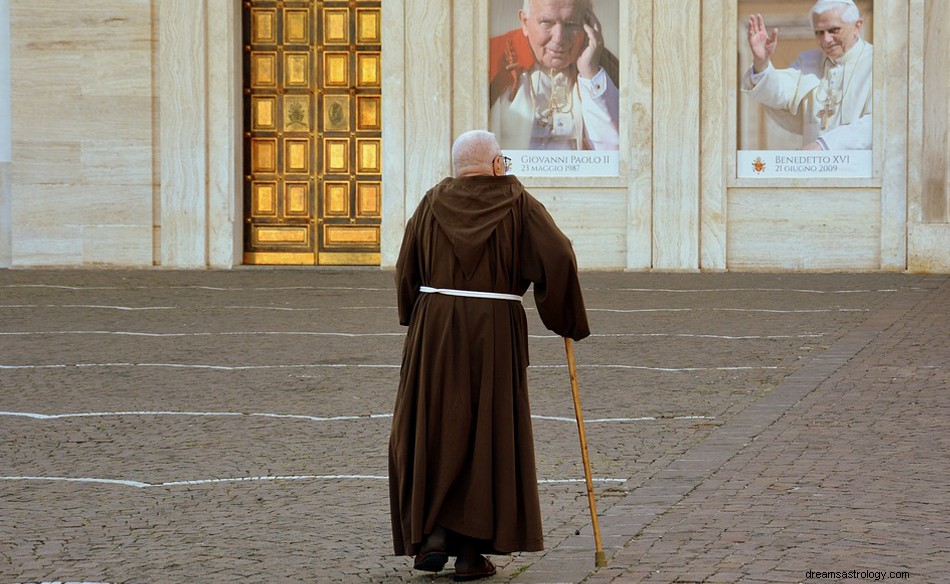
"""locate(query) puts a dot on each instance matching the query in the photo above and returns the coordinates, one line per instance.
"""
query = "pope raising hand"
(761, 43)
(588, 63)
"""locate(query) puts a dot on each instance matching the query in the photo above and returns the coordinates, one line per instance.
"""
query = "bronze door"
(312, 142)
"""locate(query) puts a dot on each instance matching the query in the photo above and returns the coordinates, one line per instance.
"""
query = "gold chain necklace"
(560, 101)
(831, 100)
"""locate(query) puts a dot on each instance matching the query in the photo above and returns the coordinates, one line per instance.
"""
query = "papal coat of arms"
(758, 165)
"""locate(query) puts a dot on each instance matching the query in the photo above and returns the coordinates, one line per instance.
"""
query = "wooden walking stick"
(600, 559)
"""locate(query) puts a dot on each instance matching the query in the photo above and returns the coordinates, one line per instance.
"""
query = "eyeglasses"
(506, 161)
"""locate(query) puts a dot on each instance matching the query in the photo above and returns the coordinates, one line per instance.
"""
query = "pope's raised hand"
(761, 42)
(588, 63)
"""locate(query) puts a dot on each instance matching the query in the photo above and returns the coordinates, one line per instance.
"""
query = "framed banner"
(554, 78)
(805, 106)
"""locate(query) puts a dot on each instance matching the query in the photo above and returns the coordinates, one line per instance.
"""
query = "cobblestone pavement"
(231, 426)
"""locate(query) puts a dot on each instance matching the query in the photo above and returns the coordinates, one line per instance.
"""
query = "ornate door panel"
(312, 146)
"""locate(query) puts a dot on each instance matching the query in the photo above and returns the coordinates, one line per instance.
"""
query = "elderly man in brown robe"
(462, 476)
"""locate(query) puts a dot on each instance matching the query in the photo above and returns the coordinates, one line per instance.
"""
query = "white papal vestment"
(818, 91)
(557, 113)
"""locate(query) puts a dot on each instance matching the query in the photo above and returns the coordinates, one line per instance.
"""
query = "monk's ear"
(524, 22)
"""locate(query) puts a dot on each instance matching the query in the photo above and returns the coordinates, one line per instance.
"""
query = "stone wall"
(83, 112)
(5, 135)
(127, 121)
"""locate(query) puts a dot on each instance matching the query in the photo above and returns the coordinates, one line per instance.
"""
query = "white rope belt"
(469, 293)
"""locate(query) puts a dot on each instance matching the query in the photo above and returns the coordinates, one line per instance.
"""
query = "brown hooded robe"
(461, 452)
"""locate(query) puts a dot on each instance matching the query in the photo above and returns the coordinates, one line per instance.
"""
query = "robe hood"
(469, 209)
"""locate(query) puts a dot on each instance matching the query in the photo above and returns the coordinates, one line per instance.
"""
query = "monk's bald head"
(474, 153)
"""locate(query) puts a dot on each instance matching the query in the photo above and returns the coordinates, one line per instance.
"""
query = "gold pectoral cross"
(825, 113)
(831, 103)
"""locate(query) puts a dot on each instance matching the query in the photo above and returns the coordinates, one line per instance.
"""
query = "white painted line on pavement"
(88, 306)
(667, 369)
(703, 290)
(691, 335)
(393, 308)
(195, 482)
(325, 419)
(104, 414)
(37, 416)
(204, 308)
(137, 484)
(396, 334)
(640, 310)
(196, 287)
(797, 311)
(61, 287)
(638, 419)
(593, 479)
(372, 366)
(241, 333)
(271, 478)
(393, 290)
(699, 336)
(34, 366)
(129, 333)
(769, 310)
(203, 366)
(312, 309)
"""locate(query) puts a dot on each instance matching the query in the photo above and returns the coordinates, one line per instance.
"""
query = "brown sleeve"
(408, 274)
(547, 260)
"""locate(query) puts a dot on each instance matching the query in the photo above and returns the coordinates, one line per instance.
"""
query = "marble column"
(5, 135)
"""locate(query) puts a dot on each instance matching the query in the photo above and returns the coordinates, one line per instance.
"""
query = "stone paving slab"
(743, 427)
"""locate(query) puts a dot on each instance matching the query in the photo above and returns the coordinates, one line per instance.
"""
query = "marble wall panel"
(470, 45)
(676, 79)
(117, 245)
(928, 226)
(428, 97)
(225, 142)
(41, 114)
(637, 125)
(112, 73)
(38, 245)
(928, 247)
(6, 237)
(183, 126)
(808, 230)
(5, 135)
(890, 140)
(594, 220)
(116, 162)
(417, 110)
(53, 75)
(394, 131)
(717, 18)
(82, 128)
(49, 206)
(935, 96)
(47, 161)
(110, 25)
(110, 117)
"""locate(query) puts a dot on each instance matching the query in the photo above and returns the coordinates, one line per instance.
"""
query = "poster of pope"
(824, 98)
(554, 85)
